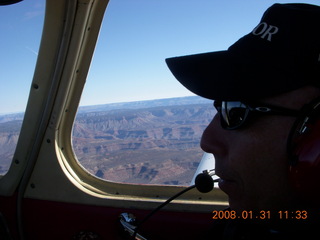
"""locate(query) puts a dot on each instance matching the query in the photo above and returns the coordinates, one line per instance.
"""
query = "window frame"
(67, 158)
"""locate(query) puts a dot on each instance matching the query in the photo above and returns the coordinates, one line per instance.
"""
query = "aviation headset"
(304, 154)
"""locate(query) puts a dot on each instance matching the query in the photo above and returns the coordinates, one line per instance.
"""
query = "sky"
(135, 39)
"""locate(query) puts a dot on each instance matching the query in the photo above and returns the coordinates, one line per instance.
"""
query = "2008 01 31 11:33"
(262, 215)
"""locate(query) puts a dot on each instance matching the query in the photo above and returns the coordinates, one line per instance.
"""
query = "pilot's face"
(252, 161)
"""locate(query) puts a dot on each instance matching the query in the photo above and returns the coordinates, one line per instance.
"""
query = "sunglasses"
(234, 114)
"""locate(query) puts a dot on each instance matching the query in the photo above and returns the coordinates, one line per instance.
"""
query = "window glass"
(136, 123)
(20, 26)
(145, 142)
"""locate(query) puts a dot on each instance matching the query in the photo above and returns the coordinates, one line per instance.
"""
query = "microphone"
(203, 183)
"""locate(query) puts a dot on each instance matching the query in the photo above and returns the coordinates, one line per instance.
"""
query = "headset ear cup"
(304, 169)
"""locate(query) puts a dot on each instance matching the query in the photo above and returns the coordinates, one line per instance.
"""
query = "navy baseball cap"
(281, 54)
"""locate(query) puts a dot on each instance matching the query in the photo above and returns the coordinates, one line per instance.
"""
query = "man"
(266, 134)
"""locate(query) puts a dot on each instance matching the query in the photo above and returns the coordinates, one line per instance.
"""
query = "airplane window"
(136, 123)
(20, 27)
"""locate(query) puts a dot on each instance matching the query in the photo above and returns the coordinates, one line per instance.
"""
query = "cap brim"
(225, 76)
(200, 73)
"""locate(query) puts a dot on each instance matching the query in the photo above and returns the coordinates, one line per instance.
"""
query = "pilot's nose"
(211, 135)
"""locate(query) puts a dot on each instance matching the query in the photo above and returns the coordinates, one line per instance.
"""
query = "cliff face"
(153, 145)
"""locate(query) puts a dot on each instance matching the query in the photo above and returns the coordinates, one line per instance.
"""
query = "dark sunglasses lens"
(233, 114)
